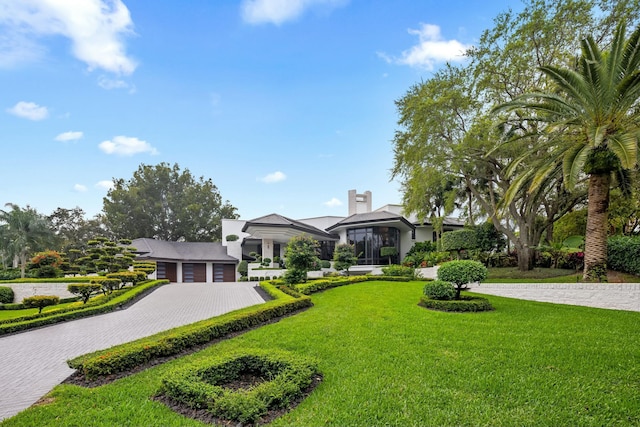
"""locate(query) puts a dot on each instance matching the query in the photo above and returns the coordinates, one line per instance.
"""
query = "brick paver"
(33, 362)
(618, 296)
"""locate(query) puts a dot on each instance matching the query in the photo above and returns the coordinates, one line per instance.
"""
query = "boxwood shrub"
(464, 304)
(281, 377)
(439, 290)
(124, 357)
(6, 295)
(623, 254)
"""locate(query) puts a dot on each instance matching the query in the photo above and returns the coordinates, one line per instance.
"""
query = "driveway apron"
(34, 362)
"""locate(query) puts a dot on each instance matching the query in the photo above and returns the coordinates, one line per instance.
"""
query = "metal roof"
(279, 221)
(371, 218)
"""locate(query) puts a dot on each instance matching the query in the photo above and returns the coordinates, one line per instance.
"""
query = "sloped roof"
(182, 251)
(279, 221)
(371, 218)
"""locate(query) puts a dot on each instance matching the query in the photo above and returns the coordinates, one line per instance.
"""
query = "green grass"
(387, 361)
(13, 314)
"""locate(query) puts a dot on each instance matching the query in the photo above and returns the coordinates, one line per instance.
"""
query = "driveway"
(34, 362)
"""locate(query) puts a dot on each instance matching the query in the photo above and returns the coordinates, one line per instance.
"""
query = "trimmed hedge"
(75, 279)
(98, 305)
(464, 304)
(6, 295)
(440, 290)
(283, 377)
(84, 290)
(399, 270)
(41, 301)
(623, 254)
(130, 355)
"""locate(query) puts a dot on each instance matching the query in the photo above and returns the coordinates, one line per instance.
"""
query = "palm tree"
(23, 231)
(592, 126)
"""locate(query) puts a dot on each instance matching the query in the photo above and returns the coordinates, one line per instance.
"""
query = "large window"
(368, 241)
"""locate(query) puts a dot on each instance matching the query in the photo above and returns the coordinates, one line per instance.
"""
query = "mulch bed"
(207, 417)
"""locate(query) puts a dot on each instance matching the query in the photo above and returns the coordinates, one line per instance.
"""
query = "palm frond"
(631, 58)
(569, 81)
(573, 164)
(625, 146)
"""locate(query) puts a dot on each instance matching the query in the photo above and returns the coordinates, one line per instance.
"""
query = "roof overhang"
(282, 233)
(399, 222)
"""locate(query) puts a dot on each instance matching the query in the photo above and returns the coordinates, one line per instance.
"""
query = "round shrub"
(462, 272)
(40, 301)
(6, 295)
(439, 290)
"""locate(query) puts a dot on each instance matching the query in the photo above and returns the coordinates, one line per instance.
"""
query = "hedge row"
(104, 304)
(201, 385)
(623, 254)
(318, 285)
(75, 279)
(21, 306)
(465, 304)
(130, 355)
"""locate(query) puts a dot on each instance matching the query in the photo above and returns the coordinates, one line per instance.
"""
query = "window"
(368, 241)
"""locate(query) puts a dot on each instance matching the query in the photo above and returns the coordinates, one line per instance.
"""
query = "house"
(368, 230)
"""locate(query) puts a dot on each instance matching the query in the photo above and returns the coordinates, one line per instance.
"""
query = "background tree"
(72, 230)
(445, 125)
(344, 257)
(593, 128)
(166, 203)
(22, 233)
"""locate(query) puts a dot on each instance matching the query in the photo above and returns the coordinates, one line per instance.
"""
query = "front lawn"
(387, 361)
(14, 314)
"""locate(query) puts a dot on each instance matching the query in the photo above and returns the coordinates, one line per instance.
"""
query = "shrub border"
(465, 304)
(103, 304)
(128, 356)
(197, 384)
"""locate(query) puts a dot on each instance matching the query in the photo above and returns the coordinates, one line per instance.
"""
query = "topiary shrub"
(439, 290)
(40, 301)
(241, 387)
(243, 268)
(293, 277)
(462, 305)
(84, 290)
(461, 273)
(6, 295)
(232, 237)
(325, 263)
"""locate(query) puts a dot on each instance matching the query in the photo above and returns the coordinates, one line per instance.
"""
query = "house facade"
(368, 230)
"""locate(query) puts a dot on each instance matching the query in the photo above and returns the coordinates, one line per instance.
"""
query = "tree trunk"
(525, 257)
(595, 246)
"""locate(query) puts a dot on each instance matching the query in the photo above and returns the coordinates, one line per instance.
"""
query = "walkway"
(619, 296)
(34, 362)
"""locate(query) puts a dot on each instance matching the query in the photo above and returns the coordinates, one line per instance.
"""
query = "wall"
(23, 290)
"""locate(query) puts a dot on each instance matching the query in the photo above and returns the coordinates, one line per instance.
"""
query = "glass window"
(369, 240)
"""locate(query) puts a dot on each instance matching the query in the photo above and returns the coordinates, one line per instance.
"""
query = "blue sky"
(284, 104)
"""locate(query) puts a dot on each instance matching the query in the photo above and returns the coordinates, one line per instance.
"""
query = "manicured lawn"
(13, 314)
(550, 275)
(387, 361)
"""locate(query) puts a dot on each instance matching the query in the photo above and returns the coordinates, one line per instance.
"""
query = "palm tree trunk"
(595, 247)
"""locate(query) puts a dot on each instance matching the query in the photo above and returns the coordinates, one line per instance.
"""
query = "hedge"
(201, 384)
(6, 295)
(130, 355)
(464, 304)
(99, 305)
(623, 254)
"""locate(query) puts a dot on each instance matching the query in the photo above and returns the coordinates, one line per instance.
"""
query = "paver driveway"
(33, 362)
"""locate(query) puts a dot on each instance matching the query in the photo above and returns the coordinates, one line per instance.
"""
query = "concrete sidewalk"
(34, 362)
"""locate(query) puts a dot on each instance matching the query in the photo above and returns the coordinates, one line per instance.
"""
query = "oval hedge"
(462, 305)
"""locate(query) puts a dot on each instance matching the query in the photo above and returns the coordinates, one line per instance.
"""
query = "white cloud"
(107, 83)
(430, 50)
(126, 146)
(69, 136)
(333, 203)
(94, 27)
(279, 11)
(29, 110)
(273, 177)
(80, 188)
(105, 184)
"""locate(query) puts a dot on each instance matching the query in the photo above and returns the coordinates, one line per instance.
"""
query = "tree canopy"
(166, 203)
(447, 149)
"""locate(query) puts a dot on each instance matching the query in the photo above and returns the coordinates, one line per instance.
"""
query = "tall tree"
(72, 229)
(166, 203)
(592, 118)
(445, 121)
(23, 232)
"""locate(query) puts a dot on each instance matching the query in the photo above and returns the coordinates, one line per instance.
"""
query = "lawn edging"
(128, 356)
(103, 304)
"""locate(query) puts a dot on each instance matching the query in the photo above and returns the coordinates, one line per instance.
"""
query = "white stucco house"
(367, 229)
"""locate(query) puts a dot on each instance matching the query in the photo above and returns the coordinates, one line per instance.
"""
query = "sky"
(285, 105)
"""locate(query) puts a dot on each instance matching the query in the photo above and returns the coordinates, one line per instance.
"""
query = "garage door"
(194, 272)
(167, 270)
(224, 272)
